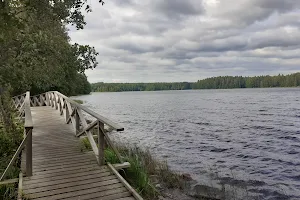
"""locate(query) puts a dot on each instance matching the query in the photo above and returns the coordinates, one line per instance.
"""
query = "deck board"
(60, 169)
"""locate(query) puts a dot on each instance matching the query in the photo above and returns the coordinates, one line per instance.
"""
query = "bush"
(11, 135)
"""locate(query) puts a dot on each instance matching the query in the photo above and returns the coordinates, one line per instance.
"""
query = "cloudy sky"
(187, 40)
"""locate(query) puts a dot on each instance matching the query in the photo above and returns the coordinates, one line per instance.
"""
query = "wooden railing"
(76, 114)
(22, 103)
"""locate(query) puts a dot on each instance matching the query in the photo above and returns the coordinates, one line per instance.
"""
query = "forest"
(221, 82)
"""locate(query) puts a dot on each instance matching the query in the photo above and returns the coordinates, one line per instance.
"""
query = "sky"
(188, 40)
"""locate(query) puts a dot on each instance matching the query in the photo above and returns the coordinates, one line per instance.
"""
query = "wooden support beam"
(121, 165)
(125, 183)
(55, 101)
(52, 99)
(28, 150)
(90, 126)
(101, 142)
(77, 125)
(71, 118)
(71, 115)
(20, 186)
(88, 133)
(67, 115)
(47, 99)
(42, 99)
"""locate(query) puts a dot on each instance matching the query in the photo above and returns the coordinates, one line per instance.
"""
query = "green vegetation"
(145, 171)
(10, 138)
(36, 53)
(221, 82)
(78, 101)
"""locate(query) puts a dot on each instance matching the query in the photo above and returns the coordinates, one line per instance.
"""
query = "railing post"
(56, 101)
(28, 150)
(52, 99)
(47, 99)
(101, 142)
(28, 131)
(67, 114)
(76, 121)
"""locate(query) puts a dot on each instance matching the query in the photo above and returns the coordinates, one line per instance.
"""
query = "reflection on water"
(251, 133)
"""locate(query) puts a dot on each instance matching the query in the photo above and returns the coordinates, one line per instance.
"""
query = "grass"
(145, 171)
(9, 142)
(78, 101)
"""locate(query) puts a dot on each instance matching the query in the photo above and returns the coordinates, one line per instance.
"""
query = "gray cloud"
(177, 8)
(173, 40)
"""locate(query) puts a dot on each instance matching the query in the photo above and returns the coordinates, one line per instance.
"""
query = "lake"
(250, 137)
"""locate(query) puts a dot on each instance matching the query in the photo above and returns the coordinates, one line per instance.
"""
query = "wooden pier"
(53, 163)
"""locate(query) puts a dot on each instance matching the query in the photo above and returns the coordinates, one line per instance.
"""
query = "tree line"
(221, 82)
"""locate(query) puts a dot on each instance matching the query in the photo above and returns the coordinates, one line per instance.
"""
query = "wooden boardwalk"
(60, 169)
(53, 165)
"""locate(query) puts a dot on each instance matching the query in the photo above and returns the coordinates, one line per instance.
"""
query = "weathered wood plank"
(115, 196)
(62, 165)
(127, 198)
(31, 185)
(83, 190)
(72, 184)
(64, 169)
(63, 174)
(116, 193)
(42, 179)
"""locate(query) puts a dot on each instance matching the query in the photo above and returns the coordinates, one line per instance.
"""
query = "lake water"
(249, 136)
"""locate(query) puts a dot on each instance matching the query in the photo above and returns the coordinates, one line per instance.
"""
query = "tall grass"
(78, 101)
(11, 133)
(144, 172)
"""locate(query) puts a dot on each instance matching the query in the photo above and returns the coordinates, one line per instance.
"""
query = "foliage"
(10, 138)
(85, 144)
(110, 156)
(36, 53)
(221, 82)
(8, 192)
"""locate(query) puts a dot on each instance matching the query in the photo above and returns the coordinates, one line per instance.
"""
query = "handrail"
(28, 117)
(73, 113)
(28, 131)
(102, 119)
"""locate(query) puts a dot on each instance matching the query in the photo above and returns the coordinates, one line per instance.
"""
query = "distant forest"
(221, 82)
